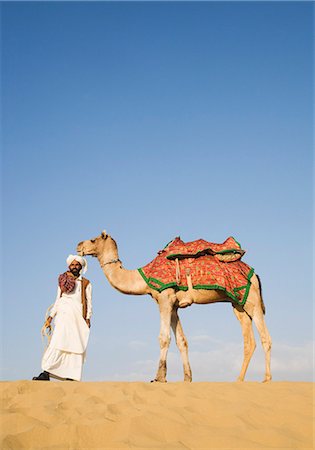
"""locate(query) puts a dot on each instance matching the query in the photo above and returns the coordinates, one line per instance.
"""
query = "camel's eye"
(92, 240)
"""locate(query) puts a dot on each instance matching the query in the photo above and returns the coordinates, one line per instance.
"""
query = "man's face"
(75, 268)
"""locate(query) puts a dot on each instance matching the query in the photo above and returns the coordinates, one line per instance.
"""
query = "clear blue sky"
(153, 120)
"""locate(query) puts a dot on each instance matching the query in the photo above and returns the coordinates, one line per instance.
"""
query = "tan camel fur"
(130, 282)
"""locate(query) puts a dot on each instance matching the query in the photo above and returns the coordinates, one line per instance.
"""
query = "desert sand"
(120, 415)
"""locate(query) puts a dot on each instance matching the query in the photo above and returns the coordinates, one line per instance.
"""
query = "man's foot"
(44, 376)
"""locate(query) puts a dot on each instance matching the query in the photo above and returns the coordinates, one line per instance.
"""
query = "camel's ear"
(104, 234)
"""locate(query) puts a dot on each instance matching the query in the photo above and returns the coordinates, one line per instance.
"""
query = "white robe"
(65, 355)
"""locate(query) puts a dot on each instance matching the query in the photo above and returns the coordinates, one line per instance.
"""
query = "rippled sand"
(119, 415)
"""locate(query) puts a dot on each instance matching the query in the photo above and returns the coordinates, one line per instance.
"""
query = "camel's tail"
(261, 296)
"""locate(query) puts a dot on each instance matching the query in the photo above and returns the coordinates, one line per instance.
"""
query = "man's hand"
(88, 322)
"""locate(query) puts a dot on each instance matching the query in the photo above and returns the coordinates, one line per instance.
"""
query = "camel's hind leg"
(255, 308)
(249, 338)
(265, 338)
(182, 344)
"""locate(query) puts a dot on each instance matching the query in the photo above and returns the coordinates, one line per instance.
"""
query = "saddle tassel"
(188, 299)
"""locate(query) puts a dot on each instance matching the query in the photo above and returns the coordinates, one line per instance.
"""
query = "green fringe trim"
(236, 241)
(183, 255)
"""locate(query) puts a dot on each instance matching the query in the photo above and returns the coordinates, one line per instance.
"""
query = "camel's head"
(97, 246)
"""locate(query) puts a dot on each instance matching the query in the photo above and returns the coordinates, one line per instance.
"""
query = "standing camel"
(131, 282)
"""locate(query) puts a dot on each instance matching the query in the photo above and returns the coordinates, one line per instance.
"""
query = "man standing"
(72, 310)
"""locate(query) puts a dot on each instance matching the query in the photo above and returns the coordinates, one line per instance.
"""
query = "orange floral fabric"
(207, 272)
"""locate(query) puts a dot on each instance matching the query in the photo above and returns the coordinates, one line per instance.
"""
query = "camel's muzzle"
(84, 250)
(80, 251)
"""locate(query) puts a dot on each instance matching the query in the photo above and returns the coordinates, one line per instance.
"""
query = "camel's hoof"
(158, 381)
(266, 380)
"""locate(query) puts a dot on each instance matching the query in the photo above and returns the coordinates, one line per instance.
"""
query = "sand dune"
(113, 415)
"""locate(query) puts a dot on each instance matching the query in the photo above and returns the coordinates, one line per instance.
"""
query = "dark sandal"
(44, 376)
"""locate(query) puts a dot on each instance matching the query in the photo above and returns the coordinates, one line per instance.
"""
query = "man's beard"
(75, 272)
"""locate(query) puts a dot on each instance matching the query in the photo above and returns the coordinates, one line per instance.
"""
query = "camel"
(130, 282)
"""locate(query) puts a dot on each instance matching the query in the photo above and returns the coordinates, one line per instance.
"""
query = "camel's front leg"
(165, 307)
(182, 344)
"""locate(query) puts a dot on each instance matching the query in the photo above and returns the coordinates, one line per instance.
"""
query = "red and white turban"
(80, 260)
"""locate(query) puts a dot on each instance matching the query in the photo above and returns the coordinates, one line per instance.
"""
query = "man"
(72, 310)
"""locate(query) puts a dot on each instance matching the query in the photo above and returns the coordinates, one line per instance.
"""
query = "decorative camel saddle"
(200, 265)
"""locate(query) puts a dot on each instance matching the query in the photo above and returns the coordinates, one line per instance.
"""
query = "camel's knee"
(263, 331)
(249, 348)
(182, 344)
(265, 340)
(164, 341)
(267, 344)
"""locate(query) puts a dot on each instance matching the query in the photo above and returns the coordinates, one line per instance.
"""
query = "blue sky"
(152, 120)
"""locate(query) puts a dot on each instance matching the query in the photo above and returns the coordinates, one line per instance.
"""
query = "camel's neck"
(125, 281)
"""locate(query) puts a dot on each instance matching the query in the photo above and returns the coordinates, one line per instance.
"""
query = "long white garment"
(66, 352)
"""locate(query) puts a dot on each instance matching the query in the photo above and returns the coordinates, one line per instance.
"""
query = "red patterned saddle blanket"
(211, 266)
